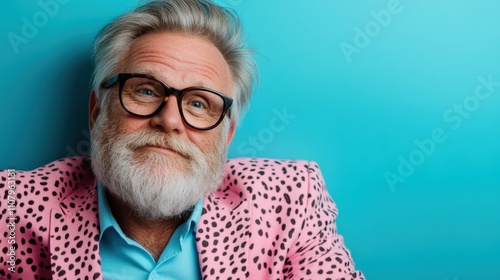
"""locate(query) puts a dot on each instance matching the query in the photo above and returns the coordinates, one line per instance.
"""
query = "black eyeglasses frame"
(121, 78)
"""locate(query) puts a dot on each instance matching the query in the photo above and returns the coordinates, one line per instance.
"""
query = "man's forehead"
(158, 74)
(159, 54)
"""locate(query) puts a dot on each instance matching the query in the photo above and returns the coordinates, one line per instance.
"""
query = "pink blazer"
(270, 219)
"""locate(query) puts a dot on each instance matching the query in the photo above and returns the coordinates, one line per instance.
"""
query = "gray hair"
(197, 17)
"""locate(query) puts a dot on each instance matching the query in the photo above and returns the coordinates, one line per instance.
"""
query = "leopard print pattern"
(67, 184)
(270, 219)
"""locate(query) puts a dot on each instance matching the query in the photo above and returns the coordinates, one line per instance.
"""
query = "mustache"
(159, 139)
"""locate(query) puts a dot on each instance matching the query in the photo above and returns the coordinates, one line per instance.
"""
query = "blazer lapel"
(74, 236)
(222, 236)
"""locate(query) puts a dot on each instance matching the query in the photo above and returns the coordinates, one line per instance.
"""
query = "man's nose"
(169, 118)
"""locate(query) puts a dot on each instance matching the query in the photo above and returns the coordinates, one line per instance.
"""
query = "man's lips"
(164, 150)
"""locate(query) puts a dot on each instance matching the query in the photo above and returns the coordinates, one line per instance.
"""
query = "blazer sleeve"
(319, 251)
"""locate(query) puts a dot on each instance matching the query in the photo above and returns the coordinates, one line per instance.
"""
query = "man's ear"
(230, 134)
(94, 109)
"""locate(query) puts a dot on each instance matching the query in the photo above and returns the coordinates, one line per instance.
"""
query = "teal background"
(357, 115)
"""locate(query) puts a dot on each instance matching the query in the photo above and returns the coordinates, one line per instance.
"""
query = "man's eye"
(145, 91)
(197, 104)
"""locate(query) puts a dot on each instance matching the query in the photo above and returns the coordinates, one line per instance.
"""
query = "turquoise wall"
(398, 101)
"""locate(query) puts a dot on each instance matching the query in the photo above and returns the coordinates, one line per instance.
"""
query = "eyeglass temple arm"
(110, 82)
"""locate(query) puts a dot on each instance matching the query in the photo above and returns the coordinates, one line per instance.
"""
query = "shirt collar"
(107, 220)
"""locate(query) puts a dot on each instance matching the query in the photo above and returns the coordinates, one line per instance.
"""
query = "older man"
(171, 80)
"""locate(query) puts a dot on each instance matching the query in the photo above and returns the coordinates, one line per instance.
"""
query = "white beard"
(155, 185)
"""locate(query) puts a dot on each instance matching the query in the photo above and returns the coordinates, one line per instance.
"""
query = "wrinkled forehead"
(178, 59)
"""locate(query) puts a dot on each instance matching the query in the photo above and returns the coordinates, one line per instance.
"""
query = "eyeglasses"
(145, 96)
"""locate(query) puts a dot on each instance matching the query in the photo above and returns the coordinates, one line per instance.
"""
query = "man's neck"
(152, 235)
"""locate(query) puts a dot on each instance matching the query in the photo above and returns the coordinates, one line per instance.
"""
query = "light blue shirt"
(124, 258)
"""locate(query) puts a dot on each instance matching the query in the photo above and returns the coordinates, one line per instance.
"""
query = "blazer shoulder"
(269, 170)
(62, 164)
(282, 181)
(55, 180)
(253, 164)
